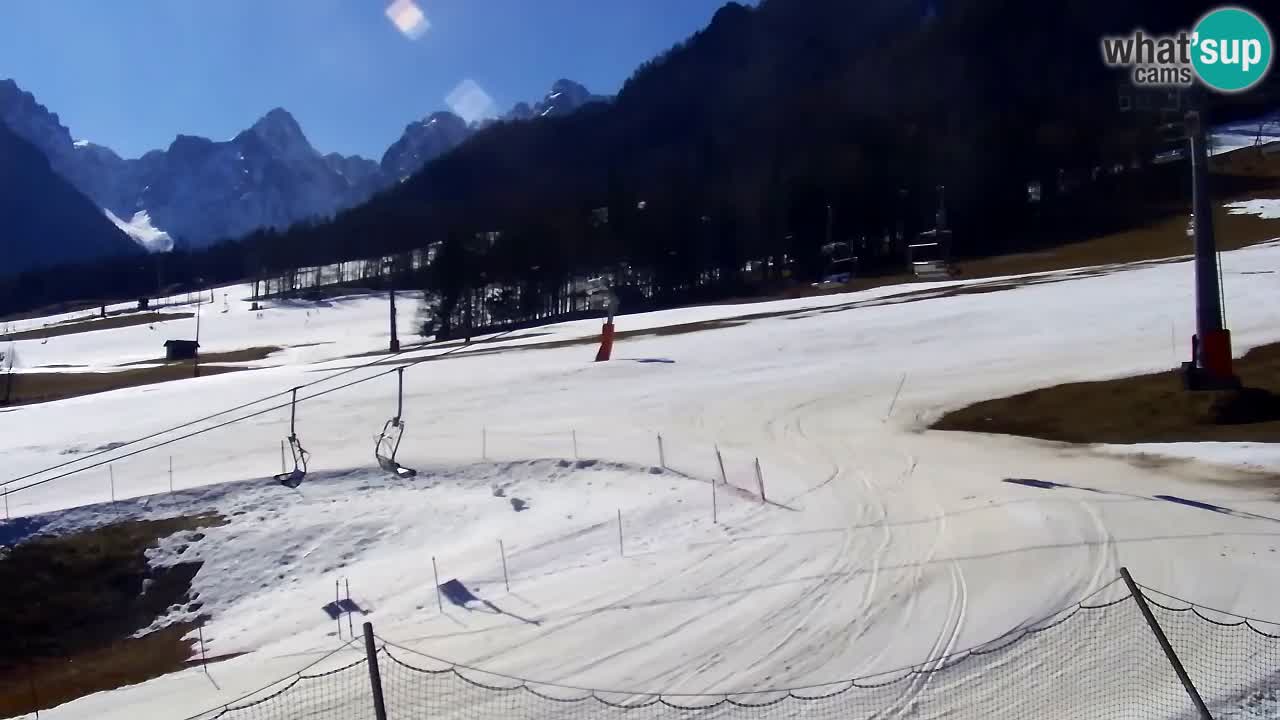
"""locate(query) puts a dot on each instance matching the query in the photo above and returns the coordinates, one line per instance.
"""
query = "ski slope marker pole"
(505, 579)
(901, 382)
(204, 659)
(760, 480)
(436, 572)
(351, 628)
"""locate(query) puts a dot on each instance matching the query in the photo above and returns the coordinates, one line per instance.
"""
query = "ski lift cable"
(228, 411)
(194, 433)
(197, 421)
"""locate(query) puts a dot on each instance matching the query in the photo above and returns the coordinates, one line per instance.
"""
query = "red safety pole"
(606, 333)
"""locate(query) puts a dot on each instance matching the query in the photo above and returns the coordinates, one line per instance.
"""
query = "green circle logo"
(1231, 49)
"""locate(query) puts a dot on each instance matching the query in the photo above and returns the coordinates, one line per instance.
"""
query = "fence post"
(575, 444)
(375, 676)
(662, 453)
(760, 480)
(1164, 645)
(724, 479)
(282, 457)
(505, 579)
(170, 474)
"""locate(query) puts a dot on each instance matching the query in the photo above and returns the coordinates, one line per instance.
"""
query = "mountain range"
(198, 191)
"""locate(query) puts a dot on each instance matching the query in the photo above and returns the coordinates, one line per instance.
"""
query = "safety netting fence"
(1097, 659)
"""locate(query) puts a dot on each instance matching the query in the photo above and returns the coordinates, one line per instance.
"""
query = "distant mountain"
(566, 96)
(45, 220)
(199, 191)
(423, 141)
(267, 176)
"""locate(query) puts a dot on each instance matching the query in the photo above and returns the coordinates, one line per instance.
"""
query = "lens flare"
(408, 18)
(470, 102)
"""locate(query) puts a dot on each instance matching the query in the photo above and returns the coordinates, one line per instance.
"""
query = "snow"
(307, 332)
(1252, 456)
(1245, 133)
(1263, 208)
(139, 228)
(883, 544)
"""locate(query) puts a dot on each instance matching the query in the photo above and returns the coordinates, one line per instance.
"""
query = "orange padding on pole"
(606, 343)
(1215, 354)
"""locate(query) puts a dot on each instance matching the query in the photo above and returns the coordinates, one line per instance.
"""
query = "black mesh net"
(1096, 660)
(1233, 661)
(342, 693)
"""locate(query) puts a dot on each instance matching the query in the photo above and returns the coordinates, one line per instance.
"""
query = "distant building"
(181, 349)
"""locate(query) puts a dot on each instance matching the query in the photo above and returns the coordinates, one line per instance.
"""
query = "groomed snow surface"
(882, 544)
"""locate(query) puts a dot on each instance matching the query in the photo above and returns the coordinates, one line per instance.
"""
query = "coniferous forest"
(772, 132)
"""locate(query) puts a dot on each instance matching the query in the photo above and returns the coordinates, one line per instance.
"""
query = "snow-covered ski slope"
(883, 544)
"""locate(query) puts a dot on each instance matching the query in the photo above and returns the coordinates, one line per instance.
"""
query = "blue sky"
(132, 74)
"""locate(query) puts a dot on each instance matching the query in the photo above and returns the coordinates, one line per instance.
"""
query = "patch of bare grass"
(72, 603)
(1142, 409)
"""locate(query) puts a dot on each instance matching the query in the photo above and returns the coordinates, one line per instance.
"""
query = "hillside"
(884, 546)
(772, 132)
(45, 219)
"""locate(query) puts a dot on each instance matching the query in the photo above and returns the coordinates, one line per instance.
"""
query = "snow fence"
(1117, 670)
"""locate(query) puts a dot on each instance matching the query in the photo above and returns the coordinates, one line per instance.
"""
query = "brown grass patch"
(261, 352)
(71, 604)
(73, 327)
(1165, 239)
(30, 388)
(1146, 408)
